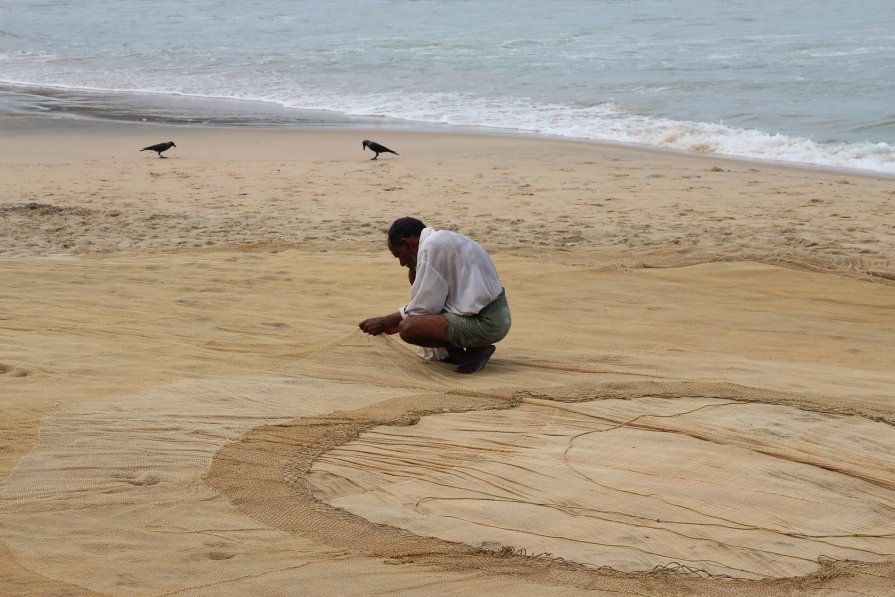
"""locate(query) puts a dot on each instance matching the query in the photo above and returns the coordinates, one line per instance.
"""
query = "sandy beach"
(697, 396)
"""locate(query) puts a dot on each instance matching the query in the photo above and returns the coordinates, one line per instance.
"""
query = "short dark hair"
(406, 227)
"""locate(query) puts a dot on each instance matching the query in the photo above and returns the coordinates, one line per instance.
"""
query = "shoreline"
(178, 111)
(24, 123)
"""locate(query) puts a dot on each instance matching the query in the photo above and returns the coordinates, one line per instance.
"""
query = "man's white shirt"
(453, 273)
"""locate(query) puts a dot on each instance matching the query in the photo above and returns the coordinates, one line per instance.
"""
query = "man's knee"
(407, 330)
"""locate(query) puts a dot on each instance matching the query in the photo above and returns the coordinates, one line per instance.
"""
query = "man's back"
(456, 271)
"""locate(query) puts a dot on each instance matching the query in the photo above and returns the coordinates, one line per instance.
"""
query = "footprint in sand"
(134, 479)
(12, 371)
(220, 555)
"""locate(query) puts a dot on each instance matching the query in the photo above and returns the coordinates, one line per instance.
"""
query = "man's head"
(404, 240)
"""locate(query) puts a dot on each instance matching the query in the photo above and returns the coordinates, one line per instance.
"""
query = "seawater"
(784, 80)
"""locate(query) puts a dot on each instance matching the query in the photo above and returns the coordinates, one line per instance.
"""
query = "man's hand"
(387, 324)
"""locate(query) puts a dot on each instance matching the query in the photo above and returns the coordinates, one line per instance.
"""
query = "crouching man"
(457, 302)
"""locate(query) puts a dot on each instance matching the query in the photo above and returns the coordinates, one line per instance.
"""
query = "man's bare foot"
(476, 359)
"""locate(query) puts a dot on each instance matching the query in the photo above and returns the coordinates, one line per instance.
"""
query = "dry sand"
(697, 396)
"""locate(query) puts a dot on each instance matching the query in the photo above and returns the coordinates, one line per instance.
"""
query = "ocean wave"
(611, 123)
(602, 122)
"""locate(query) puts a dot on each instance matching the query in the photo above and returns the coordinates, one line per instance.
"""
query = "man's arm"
(387, 324)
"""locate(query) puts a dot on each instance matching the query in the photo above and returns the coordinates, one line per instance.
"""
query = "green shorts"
(490, 325)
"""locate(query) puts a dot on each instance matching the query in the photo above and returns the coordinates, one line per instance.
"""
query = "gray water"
(796, 81)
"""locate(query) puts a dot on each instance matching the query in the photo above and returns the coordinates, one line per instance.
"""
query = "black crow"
(160, 147)
(377, 148)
